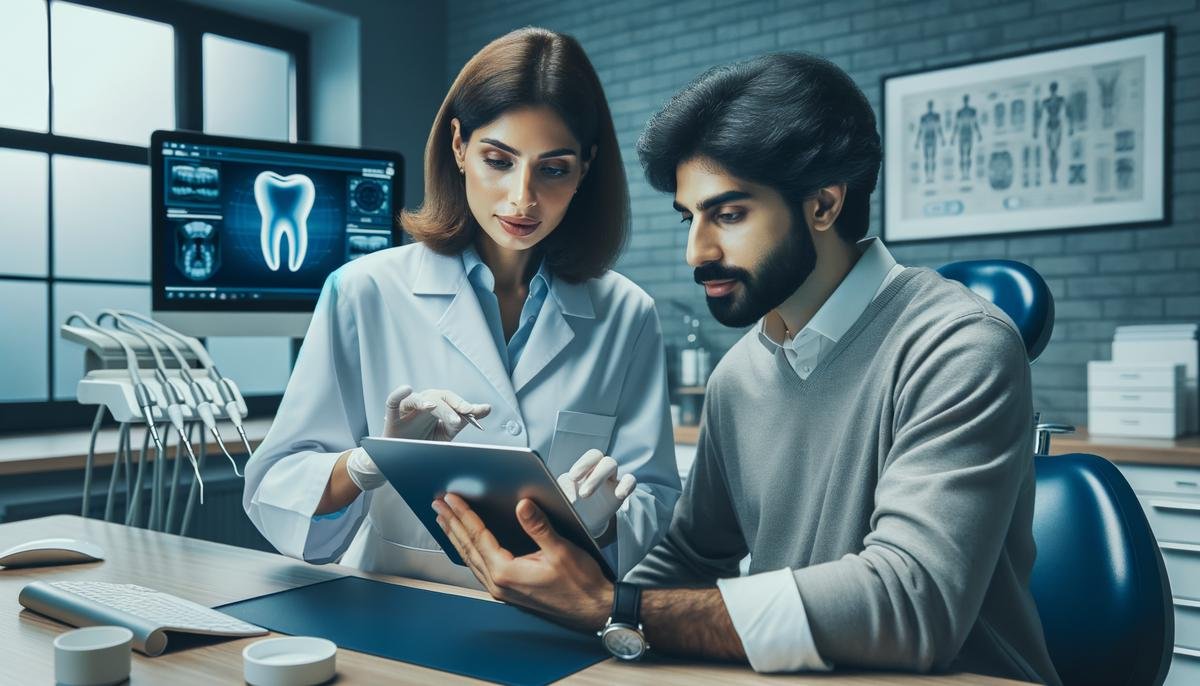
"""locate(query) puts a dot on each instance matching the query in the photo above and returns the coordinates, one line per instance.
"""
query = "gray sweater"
(896, 481)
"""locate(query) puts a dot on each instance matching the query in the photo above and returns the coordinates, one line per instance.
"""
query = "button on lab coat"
(592, 375)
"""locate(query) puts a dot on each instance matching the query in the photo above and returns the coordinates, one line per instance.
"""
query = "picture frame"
(1069, 137)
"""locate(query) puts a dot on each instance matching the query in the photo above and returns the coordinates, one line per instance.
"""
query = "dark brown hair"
(530, 67)
(792, 121)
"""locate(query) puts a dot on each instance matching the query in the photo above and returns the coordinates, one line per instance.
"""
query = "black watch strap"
(627, 603)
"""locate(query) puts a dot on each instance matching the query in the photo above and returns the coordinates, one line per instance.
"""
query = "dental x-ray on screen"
(256, 226)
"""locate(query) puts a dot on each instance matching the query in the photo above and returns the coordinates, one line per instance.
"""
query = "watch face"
(624, 642)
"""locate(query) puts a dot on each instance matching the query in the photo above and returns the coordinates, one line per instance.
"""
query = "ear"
(457, 146)
(822, 209)
(587, 164)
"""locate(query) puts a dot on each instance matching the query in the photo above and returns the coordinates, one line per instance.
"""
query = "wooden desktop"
(214, 574)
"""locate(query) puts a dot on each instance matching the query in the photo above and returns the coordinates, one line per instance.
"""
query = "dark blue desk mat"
(475, 638)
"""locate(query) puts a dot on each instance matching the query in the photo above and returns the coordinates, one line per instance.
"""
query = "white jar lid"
(93, 656)
(289, 661)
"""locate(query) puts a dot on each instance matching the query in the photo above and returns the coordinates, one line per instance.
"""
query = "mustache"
(715, 271)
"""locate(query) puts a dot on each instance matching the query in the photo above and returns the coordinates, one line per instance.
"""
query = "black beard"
(771, 282)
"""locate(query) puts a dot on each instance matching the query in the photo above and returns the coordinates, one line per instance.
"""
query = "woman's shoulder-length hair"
(530, 67)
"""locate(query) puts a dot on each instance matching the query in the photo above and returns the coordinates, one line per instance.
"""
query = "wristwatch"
(622, 635)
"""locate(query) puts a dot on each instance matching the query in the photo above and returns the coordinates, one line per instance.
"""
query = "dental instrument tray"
(492, 479)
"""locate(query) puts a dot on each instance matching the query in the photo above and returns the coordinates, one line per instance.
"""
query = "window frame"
(190, 23)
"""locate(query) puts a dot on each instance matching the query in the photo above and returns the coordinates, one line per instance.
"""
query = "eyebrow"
(719, 199)
(509, 149)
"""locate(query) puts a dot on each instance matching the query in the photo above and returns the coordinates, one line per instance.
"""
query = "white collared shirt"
(766, 609)
(872, 273)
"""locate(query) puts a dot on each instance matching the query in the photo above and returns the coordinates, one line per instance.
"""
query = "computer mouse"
(50, 551)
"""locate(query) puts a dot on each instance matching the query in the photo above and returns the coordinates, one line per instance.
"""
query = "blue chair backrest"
(1016, 289)
(1099, 581)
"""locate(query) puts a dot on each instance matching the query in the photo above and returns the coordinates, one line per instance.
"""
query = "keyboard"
(149, 614)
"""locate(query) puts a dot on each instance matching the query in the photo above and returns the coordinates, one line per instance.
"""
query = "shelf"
(689, 390)
(688, 435)
(1180, 452)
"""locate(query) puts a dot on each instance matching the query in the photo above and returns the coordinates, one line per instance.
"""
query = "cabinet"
(1170, 496)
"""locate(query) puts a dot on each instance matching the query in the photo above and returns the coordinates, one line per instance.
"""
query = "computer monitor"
(244, 232)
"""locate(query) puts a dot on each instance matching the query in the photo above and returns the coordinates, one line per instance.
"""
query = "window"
(82, 85)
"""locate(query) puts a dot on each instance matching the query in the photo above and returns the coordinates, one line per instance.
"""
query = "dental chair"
(1099, 582)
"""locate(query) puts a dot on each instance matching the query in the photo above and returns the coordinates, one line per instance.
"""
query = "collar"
(848, 301)
(855, 292)
(439, 274)
(481, 275)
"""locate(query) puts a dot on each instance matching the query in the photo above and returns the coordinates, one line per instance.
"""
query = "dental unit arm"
(141, 377)
(231, 399)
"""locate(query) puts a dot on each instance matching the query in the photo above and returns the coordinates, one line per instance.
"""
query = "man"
(868, 442)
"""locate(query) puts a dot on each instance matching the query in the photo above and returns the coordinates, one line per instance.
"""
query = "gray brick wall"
(645, 51)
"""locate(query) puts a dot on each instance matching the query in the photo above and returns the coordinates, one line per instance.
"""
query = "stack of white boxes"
(1149, 389)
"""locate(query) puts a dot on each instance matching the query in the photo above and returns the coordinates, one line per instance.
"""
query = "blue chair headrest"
(1018, 290)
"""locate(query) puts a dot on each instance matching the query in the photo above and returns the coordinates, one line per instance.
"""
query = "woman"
(506, 299)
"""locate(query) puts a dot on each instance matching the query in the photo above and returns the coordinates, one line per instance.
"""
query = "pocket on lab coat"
(398, 524)
(575, 433)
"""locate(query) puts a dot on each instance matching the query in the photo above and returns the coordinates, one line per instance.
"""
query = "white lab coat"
(592, 375)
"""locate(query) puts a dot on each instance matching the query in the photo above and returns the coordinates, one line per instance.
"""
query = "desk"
(213, 574)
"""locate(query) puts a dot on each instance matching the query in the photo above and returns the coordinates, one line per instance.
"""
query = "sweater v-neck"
(864, 320)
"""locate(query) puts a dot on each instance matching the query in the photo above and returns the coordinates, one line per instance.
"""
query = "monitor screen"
(255, 226)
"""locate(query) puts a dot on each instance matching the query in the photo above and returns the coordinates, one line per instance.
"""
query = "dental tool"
(191, 499)
(228, 396)
(175, 480)
(142, 396)
(204, 403)
(175, 405)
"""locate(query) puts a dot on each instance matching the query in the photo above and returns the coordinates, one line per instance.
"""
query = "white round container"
(93, 656)
(289, 661)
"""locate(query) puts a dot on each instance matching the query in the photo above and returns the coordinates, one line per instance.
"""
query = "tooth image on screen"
(284, 203)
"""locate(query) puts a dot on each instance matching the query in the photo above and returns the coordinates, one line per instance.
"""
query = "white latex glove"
(363, 472)
(429, 415)
(592, 487)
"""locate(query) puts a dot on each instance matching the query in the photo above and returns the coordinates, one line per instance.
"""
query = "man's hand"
(593, 489)
(432, 415)
(559, 580)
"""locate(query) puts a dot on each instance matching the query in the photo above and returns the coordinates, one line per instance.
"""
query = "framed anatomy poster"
(1062, 138)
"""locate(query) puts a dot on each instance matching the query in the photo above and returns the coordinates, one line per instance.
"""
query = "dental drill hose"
(85, 508)
(175, 401)
(228, 399)
(141, 394)
(231, 407)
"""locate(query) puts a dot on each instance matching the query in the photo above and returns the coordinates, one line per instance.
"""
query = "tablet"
(491, 478)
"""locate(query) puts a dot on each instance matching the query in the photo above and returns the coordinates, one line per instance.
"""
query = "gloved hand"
(430, 415)
(592, 487)
(434, 415)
